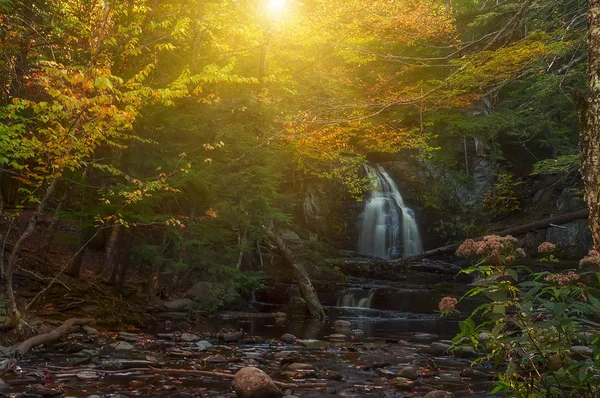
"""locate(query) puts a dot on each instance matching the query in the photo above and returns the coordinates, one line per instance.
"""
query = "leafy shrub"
(540, 328)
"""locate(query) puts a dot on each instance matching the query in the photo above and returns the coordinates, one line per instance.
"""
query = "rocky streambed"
(342, 362)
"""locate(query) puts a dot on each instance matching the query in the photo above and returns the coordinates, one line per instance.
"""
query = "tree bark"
(590, 124)
(306, 288)
(84, 236)
(13, 315)
(520, 230)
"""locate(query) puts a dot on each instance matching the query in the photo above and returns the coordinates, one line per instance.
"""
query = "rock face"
(575, 238)
(254, 383)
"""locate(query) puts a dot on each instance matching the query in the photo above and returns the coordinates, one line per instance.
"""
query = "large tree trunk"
(13, 315)
(306, 288)
(590, 124)
(519, 230)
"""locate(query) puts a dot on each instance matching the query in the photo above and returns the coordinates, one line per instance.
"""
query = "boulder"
(341, 324)
(122, 346)
(178, 304)
(582, 352)
(288, 338)
(252, 382)
(203, 345)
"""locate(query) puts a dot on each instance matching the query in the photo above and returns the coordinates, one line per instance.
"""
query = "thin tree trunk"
(123, 262)
(466, 155)
(84, 236)
(590, 124)
(242, 238)
(51, 231)
(13, 315)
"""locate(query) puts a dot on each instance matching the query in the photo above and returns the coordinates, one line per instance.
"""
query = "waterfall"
(387, 228)
(353, 299)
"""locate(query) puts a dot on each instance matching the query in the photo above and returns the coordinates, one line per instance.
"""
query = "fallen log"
(192, 372)
(307, 289)
(515, 231)
(51, 336)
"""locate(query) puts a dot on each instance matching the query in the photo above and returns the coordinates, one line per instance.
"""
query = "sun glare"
(276, 7)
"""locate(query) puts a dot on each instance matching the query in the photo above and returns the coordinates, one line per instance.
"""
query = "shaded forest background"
(162, 140)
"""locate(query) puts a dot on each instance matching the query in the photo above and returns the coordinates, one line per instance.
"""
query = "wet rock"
(90, 331)
(87, 375)
(297, 366)
(42, 391)
(254, 383)
(178, 304)
(189, 337)
(289, 235)
(311, 343)
(230, 336)
(424, 336)
(110, 364)
(465, 352)
(330, 390)
(280, 315)
(437, 348)
(215, 360)
(474, 374)
(439, 394)
(203, 345)
(285, 354)
(341, 324)
(337, 337)
(408, 372)
(288, 338)
(122, 346)
(581, 352)
(131, 337)
(166, 336)
(437, 267)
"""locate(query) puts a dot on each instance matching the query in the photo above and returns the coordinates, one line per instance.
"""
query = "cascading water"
(388, 229)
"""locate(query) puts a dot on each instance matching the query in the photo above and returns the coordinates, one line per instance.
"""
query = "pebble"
(408, 372)
(203, 345)
(122, 346)
(288, 338)
(581, 351)
(439, 394)
(437, 348)
(337, 337)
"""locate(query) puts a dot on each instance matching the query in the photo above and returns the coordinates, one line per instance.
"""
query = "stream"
(380, 339)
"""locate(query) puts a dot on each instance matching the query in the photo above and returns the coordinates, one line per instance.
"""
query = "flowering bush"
(541, 328)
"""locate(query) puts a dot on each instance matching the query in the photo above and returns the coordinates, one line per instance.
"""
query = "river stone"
(288, 338)
(297, 366)
(484, 337)
(581, 352)
(178, 304)
(439, 394)
(215, 360)
(554, 362)
(189, 337)
(122, 346)
(280, 315)
(203, 345)
(252, 382)
(311, 343)
(437, 348)
(131, 337)
(465, 352)
(341, 324)
(90, 331)
(408, 372)
(337, 337)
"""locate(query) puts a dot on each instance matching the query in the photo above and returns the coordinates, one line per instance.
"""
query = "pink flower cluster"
(546, 247)
(447, 304)
(563, 279)
(593, 258)
(490, 245)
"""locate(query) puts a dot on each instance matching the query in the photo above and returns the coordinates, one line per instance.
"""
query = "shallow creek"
(396, 348)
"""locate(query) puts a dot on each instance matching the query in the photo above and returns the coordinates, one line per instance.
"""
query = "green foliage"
(563, 164)
(502, 199)
(540, 328)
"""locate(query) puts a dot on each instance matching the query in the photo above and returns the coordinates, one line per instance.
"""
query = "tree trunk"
(590, 124)
(13, 315)
(51, 231)
(84, 236)
(306, 288)
(109, 251)
(520, 230)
